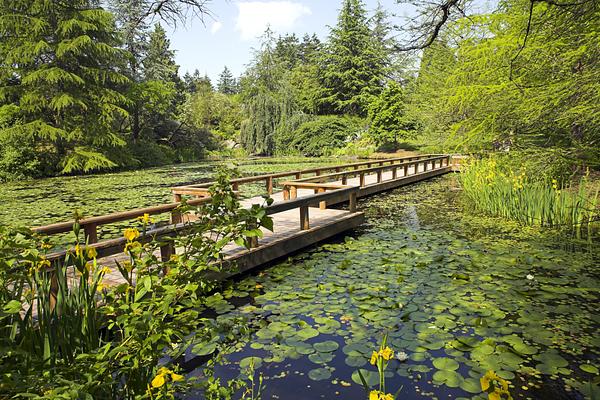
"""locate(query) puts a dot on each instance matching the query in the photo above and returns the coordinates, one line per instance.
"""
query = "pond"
(460, 294)
(45, 201)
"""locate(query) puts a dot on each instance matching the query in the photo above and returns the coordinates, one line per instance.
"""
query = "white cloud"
(254, 16)
(216, 27)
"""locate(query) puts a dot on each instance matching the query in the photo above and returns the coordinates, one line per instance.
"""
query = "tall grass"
(501, 191)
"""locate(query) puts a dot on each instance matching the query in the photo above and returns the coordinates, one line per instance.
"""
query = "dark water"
(460, 294)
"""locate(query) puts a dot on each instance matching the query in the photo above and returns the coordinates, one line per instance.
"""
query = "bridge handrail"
(110, 247)
(268, 178)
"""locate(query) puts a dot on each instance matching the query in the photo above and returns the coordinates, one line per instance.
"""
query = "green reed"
(507, 193)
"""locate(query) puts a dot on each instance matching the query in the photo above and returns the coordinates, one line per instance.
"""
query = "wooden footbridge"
(301, 212)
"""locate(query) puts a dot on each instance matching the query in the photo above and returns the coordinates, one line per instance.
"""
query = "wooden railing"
(269, 179)
(112, 247)
(318, 183)
(324, 192)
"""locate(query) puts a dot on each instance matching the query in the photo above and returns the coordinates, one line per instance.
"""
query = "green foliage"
(60, 82)
(227, 83)
(494, 90)
(320, 136)
(268, 100)
(517, 195)
(387, 113)
(352, 66)
(94, 340)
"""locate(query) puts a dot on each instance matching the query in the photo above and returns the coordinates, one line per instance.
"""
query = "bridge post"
(304, 222)
(394, 172)
(294, 192)
(322, 204)
(235, 186)
(405, 170)
(344, 179)
(379, 176)
(91, 233)
(352, 202)
(362, 179)
(286, 192)
(269, 182)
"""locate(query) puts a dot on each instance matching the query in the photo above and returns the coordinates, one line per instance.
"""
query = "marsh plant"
(381, 360)
(65, 333)
(513, 193)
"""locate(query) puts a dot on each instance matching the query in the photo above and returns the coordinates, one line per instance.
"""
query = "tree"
(227, 83)
(60, 85)
(497, 89)
(159, 63)
(352, 70)
(388, 117)
(267, 98)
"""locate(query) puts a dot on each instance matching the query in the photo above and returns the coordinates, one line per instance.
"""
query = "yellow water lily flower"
(131, 234)
(377, 395)
(106, 270)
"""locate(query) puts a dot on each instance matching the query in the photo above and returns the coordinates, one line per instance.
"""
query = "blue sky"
(228, 36)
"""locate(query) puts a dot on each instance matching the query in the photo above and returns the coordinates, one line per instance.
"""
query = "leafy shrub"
(320, 136)
(21, 158)
(93, 340)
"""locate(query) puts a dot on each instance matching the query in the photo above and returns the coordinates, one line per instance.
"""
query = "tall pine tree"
(60, 85)
(227, 83)
(352, 71)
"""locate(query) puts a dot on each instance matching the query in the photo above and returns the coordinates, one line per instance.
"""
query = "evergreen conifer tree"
(352, 71)
(227, 83)
(60, 87)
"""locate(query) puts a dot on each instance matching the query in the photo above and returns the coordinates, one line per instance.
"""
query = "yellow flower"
(377, 395)
(132, 246)
(131, 234)
(374, 357)
(91, 252)
(145, 219)
(105, 270)
(176, 377)
(387, 353)
(158, 380)
(78, 250)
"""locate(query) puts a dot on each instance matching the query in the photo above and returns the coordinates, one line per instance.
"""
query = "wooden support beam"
(294, 192)
(379, 176)
(405, 170)
(322, 204)
(91, 233)
(352, 202)
(286, 192)
(269, 183)
(395, 173)
(362, 179)
(344, 180)
(304, 220)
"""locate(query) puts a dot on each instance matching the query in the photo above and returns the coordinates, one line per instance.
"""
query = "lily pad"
(446, 364)
(327, 346)
(319, 374)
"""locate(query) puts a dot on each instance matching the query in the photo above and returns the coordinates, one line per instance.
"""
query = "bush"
(21, 158)
(319, 136)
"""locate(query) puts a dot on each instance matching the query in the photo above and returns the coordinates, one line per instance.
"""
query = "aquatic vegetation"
(451, 290)
(65, 333)
(497, 190)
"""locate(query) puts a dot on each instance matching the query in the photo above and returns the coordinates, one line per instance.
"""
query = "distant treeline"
(86, 88)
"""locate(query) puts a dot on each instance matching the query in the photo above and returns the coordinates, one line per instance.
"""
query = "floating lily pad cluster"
(459, 294)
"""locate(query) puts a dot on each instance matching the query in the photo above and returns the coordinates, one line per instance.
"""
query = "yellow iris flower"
(131, 234)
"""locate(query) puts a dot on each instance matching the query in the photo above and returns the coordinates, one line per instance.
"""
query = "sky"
(229, 35)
